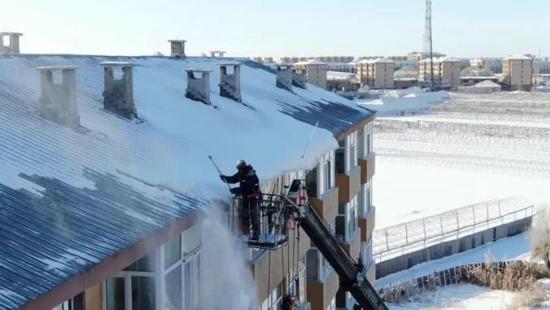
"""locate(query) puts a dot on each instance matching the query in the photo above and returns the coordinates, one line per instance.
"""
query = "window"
(115, 294)
(172, 252)
(173, 285)
(143, 293)
(340, 162)
(327, 169)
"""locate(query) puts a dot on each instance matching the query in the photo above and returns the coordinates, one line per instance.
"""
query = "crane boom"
(344, 265)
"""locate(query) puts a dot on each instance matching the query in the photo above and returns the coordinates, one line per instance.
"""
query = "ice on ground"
(512, 248)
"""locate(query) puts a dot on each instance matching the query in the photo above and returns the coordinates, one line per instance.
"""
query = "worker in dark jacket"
(249, 190)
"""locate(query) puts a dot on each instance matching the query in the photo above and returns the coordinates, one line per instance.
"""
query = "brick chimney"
(177, 48)
(230, 83)
(12, 48)
(58, 101)
(118, 94)
(284, 76)
(198, 85)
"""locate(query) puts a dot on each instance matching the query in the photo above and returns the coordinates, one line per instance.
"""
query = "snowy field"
(469, 149)
(462, 296)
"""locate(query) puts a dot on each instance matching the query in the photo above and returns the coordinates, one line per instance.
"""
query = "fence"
(402, 291)
(418, 234)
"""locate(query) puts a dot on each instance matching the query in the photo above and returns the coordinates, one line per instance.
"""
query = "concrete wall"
(451, 247)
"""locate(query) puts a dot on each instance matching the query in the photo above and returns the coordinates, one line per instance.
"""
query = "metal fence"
(397, 240)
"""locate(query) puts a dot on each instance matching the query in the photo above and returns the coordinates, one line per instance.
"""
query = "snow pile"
(397, 102)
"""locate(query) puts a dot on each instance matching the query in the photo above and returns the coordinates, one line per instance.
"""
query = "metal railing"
(407, 237)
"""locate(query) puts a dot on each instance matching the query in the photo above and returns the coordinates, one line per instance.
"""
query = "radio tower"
(428, 47)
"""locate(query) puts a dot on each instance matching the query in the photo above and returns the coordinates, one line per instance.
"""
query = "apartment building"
(517, 72)
(315, 71)
(446, 72)
(377, 74)
(342, 190)
(492, 64)
(110, 218)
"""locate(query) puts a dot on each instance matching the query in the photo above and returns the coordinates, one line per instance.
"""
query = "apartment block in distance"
(377, 73)
(517, 72)
(315, 71)
(446, 72)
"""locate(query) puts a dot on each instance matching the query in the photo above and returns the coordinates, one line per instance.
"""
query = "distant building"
(377, 74)
(315, 70)
(342, 81)
(265, 60)
(541, 66)
(418, 56)
(446, 72)
(517, 72)
(405, 78)
(493, 64)
(348, 67)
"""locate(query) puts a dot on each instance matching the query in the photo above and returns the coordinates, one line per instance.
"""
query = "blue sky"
(279, 27)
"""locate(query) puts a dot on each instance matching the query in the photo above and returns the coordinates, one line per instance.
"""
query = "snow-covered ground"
(462, 296)
(469, 149)
(398, 102)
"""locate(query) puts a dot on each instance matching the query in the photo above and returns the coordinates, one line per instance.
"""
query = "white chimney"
(58, 100)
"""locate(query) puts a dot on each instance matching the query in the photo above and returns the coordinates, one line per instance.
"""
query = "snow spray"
(226, 279)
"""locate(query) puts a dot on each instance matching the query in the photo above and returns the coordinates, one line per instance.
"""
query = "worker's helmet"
(241, 164)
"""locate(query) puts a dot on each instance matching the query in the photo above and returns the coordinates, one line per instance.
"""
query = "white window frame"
(159, 274)
(324, 182)
(351, 152)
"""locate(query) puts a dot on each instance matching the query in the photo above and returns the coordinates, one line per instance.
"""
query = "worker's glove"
(223, 178)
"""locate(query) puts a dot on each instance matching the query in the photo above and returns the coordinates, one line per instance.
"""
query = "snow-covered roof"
(518, 57)
(311, 62)
(127, 179)
(486, 84)
(340, 76)
(441, 59)
(377, 60)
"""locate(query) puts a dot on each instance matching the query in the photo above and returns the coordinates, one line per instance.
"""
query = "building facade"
(517, 72)
(377, 74)
(105, 224)
(492, 64)
(446, 72)
(315, 72)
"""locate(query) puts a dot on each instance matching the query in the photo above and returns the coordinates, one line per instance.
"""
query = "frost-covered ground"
(402, 101)
(468, 296)
(462, 296)
(469, 149)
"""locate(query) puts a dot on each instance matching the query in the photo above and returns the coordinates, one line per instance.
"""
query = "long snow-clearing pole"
(218, 169)
(307, 145)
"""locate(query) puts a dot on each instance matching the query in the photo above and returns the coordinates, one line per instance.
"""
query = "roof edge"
(111, 265)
